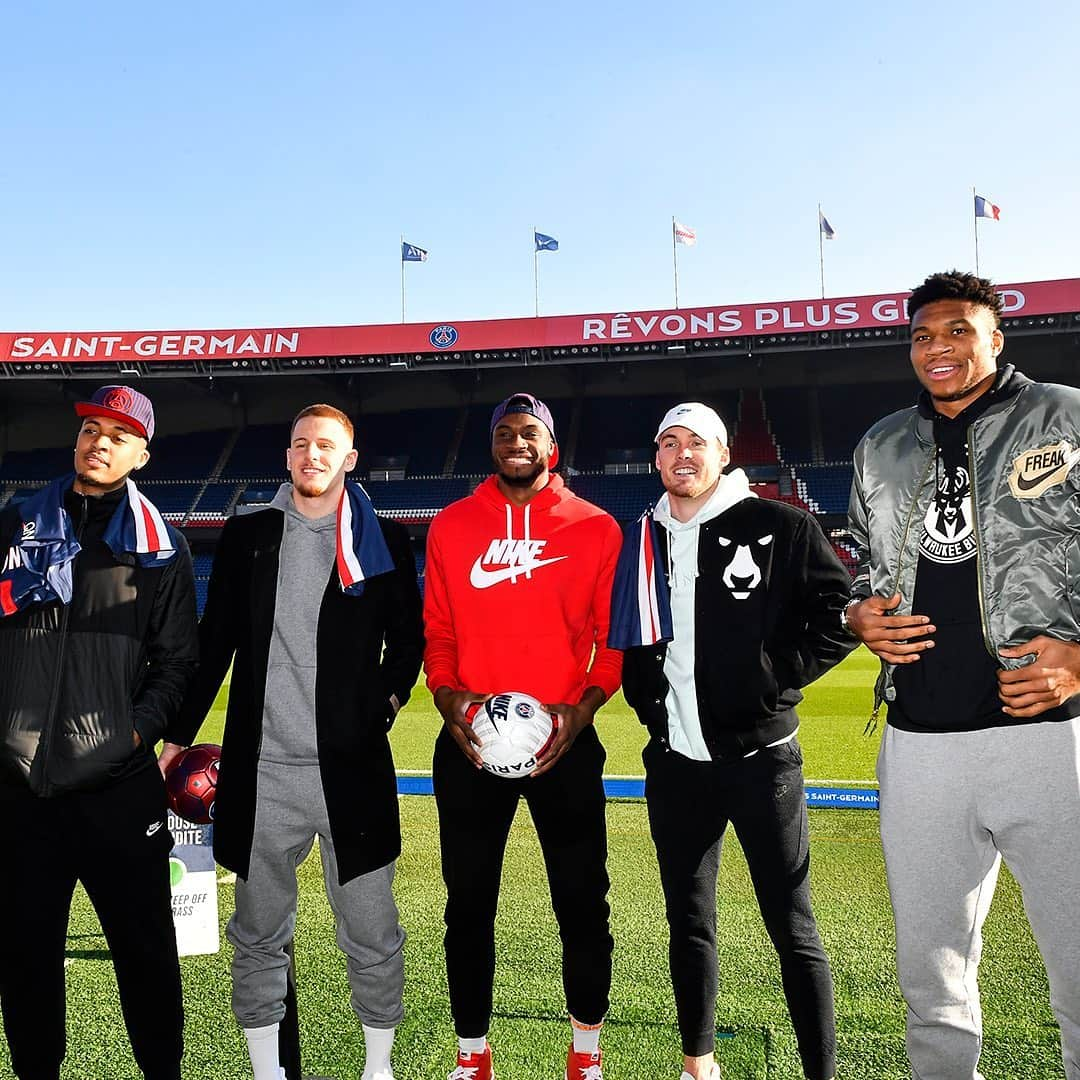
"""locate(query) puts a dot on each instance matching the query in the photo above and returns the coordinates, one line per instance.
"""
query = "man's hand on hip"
(896, 639)
(1050, 680)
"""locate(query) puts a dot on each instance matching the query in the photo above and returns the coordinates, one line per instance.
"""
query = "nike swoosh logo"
(480, 578)
(1026, 485)
(151, 829)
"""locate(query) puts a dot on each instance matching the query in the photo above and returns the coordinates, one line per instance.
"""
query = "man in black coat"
(315, 603)
(746, 601)
(97, 643)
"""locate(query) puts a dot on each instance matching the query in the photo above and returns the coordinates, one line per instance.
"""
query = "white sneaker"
(714, 1073)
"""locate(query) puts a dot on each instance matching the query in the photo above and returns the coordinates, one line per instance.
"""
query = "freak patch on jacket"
(1036, 470)
(948, 528)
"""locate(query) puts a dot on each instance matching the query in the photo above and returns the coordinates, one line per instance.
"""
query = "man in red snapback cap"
(97, 644)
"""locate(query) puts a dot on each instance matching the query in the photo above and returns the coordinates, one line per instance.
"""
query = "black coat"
(78, 680)
(368, 647)
(767, 603)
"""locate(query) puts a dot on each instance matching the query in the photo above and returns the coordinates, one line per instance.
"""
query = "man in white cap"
(716, 651)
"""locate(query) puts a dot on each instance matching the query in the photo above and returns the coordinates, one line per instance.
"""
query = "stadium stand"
(752, 442)
(790, 410)
(45, 464)
(824, 488)
(421, 435)
(847, 412)
(216, 498)
(616, 423)
(185, 457)
(171, 499)
(259, 452)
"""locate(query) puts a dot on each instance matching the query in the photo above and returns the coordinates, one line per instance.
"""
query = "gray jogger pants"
(952, 806)
(291, 812)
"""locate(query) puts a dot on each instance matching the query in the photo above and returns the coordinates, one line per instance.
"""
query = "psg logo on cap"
(443, 337)
(119, 399)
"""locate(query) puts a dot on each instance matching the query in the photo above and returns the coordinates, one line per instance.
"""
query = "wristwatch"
(844, 624)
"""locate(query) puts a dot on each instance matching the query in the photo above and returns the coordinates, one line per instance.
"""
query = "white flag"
(684, 234)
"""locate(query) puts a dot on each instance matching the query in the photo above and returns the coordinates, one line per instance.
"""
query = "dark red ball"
(191, 783)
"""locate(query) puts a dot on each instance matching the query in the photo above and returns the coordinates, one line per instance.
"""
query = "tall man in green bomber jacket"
(314, 601)
(966, 510)
(97, 644)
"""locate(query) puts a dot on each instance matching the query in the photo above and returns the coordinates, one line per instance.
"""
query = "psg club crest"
(443, 337)
(524, 710)
(118, 399)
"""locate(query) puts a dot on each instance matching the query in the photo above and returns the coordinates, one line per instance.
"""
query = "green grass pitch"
(529, 1029)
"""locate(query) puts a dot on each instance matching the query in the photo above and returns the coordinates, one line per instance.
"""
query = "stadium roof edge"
(1041, 307)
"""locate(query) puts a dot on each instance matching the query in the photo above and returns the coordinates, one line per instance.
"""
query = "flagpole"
(401, 255)
(820, 251)
(536, 277)
(975, 216)
(675, 260)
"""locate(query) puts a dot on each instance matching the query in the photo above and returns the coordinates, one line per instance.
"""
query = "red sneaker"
(584, 1066)
(473, 1066)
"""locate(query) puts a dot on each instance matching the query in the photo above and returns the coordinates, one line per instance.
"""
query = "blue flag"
(545, 243)
(412, 253)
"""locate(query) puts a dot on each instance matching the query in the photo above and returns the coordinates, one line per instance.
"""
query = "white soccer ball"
(514, 730)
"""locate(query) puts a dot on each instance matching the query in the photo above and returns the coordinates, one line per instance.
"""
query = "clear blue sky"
(244, 164)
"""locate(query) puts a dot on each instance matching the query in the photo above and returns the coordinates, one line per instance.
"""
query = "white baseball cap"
(702, 420)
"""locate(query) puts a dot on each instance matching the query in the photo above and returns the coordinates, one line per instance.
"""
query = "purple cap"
(532, 406)
(121, 403)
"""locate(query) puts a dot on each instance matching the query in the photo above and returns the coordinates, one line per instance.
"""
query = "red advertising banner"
(782, 317)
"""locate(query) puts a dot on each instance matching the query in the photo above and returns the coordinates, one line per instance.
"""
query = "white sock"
(262, 1044)
(586, 1037)
(378, 1043)
(472, 1046)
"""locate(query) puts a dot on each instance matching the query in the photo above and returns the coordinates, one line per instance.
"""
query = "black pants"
(690, 805)
(475, 813)
(116, 842)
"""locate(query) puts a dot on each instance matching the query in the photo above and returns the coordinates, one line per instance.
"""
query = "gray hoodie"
(305, 560)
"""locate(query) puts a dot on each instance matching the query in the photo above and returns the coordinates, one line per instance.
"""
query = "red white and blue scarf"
(361, 548)
(37, 567)
(640, 598)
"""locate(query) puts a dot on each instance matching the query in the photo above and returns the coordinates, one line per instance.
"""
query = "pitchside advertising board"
(638, 327)
(194, 887)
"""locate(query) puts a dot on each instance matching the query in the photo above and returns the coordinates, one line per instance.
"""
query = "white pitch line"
(842, 783)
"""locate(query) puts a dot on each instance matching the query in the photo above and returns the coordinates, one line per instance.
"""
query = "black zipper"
(50, 717)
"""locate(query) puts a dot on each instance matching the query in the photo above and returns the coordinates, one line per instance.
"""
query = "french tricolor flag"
(985, 208)
(640, 600)
(151, 534)
(361, 549)
(137, 528)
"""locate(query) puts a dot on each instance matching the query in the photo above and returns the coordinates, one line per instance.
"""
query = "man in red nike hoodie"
(517, 596)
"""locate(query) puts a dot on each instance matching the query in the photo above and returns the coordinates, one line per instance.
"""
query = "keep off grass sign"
(194, 888)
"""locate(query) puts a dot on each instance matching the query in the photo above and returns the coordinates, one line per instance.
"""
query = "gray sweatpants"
(952, 806)
(290, 812)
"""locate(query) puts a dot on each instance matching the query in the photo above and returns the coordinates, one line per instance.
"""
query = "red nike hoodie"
(518, 597)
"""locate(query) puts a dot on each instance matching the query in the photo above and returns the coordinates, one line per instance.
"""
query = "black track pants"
(690, 805)
(475, 813)
(116, 842)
